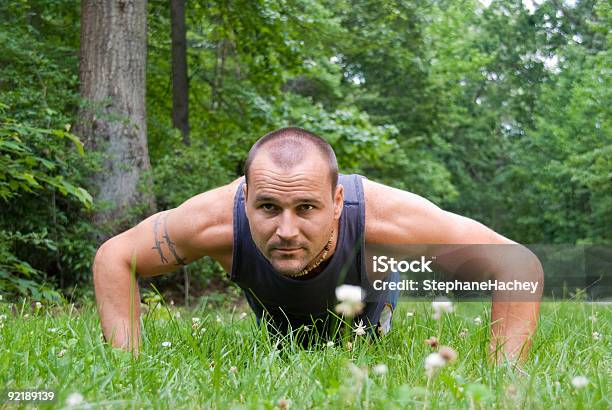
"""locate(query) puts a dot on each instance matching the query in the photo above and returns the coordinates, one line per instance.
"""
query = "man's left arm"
(396, 218)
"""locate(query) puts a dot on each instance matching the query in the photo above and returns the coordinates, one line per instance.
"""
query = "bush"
(40, 180)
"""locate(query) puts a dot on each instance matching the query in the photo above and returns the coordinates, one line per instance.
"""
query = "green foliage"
(523, 103)
(22, 170)
(17, 276)
(185, 171)
(32, 167)
(44, 241)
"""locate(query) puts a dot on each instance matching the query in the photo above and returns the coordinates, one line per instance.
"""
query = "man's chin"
(287, 269)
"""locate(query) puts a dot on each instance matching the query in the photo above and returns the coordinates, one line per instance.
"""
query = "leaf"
(29, 178)
(77, 142)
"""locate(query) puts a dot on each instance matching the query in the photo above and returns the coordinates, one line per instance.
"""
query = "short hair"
(288, 146)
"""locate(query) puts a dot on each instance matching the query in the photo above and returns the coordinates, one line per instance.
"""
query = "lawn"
(222, 360)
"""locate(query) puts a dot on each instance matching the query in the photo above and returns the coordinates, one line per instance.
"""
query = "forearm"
(514, 314)
(513, 326)
(118, 300)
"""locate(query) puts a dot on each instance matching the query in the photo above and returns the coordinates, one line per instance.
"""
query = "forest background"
(499, 111)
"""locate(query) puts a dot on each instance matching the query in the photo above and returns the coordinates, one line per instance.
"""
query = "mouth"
(287, 250)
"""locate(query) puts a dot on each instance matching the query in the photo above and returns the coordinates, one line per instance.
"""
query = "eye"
(268, 207)
(306, 207)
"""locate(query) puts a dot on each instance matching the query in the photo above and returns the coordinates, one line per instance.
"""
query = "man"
(292, 230)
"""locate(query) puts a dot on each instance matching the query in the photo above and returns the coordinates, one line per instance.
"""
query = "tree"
(180, 85)
(112, 118)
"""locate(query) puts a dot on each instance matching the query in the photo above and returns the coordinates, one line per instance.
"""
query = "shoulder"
(394, 216)
(206, 220)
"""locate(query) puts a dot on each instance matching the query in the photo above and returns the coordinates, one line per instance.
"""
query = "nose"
(287, 228)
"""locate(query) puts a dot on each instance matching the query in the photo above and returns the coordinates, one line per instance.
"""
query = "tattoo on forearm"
(178, 259)
(157, 242)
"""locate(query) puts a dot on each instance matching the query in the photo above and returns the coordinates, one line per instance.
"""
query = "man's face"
(291, 213)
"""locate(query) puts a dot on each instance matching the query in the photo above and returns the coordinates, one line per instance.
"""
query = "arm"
(407, 219)
(202, 226)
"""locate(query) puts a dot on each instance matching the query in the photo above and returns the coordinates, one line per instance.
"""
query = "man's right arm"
(201, 226)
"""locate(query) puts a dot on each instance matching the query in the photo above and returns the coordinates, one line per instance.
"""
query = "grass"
(228, 362)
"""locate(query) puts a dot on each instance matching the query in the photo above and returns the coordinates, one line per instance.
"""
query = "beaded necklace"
(307, 269)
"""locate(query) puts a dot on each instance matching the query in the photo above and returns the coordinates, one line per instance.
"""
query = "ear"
(244, 191)
(338, 201)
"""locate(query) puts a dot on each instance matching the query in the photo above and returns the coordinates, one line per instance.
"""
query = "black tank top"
(295, 302)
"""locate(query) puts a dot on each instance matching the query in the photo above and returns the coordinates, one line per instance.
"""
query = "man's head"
(292, 197)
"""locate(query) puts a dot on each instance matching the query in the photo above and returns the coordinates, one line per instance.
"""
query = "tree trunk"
(180, 85)
(113, 117)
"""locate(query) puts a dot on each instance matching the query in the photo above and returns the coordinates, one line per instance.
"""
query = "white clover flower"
(198, 330)
(438, 360)
(242, 315)
(477, 320)
(349, 309)
(351, 300)
(380, 369)
(38, 305)
(448, 354)
(433, 362)
(579, 382)
(233, 369)
(349, 293)
(177, 315)
(166, 344)
(441, 306)
(306, 329)
(432, 341)
(596, 336)
(218, 319)
(74, 399)
(463, 333)
(330, 344)
(360, 328)
(196, 322)
(52, 330)
(593, 318)
(2, 317)
(61, 353)
(410, 314)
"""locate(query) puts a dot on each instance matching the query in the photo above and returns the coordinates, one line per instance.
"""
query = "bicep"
(167, 240)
